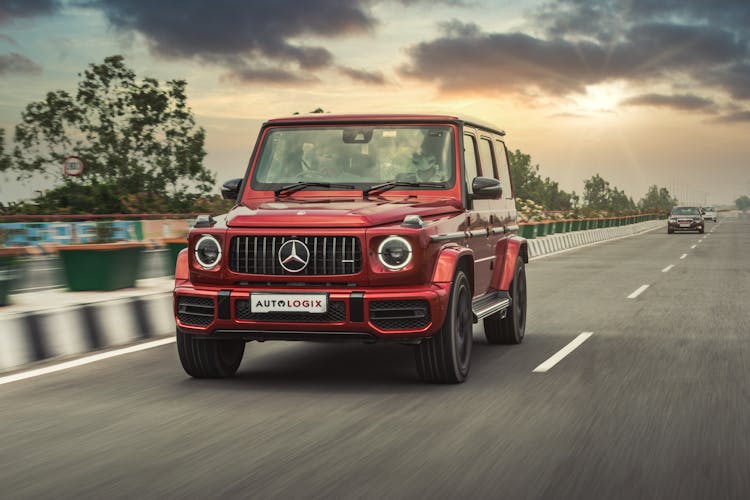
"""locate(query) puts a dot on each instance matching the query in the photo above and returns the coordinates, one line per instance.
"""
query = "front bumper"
(692, 225)
(370, 315)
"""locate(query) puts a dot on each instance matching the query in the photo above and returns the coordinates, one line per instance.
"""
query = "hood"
(316, 212)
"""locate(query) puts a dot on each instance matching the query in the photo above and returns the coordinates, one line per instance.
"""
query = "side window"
(488, 158)
(503, 169)
(470, 160)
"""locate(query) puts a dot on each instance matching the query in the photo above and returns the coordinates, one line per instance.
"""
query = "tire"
(670, 230)
(446, 357)
(700, 231)
(209, 358)
(512, 328)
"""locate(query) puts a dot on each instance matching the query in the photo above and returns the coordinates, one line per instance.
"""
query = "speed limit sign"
(73, 166)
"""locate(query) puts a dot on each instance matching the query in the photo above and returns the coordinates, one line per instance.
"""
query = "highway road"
(652, 403)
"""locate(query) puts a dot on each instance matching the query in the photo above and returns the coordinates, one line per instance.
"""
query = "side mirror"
(231, 189)
(486, 188)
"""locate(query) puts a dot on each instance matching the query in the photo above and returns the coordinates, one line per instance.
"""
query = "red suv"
(372, 228)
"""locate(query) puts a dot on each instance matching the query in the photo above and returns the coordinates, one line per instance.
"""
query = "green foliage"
(742, 203)
(4, 158)
(136, 138)
(657, 200)
(529, 185)
(599, 196)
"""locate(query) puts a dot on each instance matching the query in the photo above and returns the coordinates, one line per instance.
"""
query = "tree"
(657, 200)
(596, 193)
(136, 138)
(529, 185)
(4, 158)
(743, 203)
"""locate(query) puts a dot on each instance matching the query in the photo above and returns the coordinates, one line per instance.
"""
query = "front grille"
(336, 313)
(400, 314)
(198, 311)
(329, 255)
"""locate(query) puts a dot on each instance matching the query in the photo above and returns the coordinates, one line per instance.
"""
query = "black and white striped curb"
(69, 330)
(555, 243)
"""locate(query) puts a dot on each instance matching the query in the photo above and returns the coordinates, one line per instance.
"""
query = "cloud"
(502, 62)
(362, 76)
(16, 63)
(738, 117)
(569, 45)
(260, 34)
(11, 10)
(685, 102)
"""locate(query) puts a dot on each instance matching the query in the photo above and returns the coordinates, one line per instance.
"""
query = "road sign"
(73, 166)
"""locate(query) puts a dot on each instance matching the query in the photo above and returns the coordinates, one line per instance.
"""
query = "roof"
(368, 118)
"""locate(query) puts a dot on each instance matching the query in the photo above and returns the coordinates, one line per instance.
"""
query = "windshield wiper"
(379, 188)
(299, 186)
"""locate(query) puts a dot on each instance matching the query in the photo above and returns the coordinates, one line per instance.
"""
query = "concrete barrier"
(560, 242)
(51, 324)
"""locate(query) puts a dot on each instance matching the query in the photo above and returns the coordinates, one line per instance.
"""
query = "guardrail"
(531, 230)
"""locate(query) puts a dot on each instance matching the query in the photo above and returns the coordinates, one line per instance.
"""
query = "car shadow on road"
(305, 366)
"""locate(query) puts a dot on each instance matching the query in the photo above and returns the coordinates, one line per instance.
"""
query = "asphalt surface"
(654, 404)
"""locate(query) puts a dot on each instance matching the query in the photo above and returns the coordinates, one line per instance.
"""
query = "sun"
(601, 97)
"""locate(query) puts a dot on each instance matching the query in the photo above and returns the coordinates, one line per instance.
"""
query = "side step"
(489, 304)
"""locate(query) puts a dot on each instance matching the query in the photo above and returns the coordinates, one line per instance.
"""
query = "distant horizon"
(650, 94)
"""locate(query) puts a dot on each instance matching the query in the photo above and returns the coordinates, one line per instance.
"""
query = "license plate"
(684, 224)
(288, 302)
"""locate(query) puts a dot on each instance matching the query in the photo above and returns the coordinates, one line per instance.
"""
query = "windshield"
(685, 211)
(355, 154)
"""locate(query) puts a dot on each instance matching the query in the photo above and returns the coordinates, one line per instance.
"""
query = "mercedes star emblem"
(294, 256)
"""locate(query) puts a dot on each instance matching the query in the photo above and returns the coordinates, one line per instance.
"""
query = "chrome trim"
(448, 237)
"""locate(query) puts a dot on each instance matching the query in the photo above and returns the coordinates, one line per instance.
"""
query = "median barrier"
(39, 326)
(564, 241)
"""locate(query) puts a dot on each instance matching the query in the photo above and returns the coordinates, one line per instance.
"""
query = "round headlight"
(208, 251)
(395, 252)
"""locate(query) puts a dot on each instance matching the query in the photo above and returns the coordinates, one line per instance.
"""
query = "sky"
(641, 92)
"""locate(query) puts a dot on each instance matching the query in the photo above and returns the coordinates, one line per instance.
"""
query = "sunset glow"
(639, 95)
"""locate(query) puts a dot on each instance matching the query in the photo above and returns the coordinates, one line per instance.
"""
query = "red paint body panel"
(506, 251)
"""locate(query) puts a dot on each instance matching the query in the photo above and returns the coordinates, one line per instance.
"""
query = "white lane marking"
(666, 269)
(683, 256)
(84, 361)
(559, 355)
(693, 247)
(640, 290)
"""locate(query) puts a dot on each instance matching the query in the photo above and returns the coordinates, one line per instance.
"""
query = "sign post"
(72, 166)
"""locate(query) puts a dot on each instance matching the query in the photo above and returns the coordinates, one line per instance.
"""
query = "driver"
(426, 168)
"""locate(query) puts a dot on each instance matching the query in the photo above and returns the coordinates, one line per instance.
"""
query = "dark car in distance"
(365, 228)
(686, 218)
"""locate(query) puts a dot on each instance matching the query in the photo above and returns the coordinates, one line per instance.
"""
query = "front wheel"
(512, 328)
(446, 357)
(209, 358)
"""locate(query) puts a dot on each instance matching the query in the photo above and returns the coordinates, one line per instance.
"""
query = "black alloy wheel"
(446, 357)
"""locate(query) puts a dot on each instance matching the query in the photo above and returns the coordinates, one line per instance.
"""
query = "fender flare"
(447, 261)
(507, 251)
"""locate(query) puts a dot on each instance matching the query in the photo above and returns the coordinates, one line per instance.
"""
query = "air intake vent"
(197, 311)
(400, 314)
